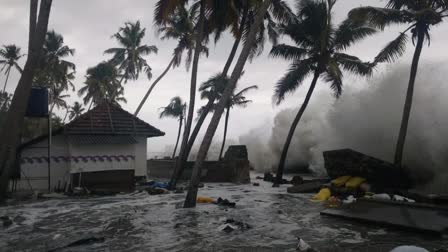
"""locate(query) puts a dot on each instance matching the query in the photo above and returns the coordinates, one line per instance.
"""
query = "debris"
(6, 221)
(350, 199)
(401, 198)
(340, 181)
(202, 199)
(268, 177)
(333, 202)
(354, 182)
(303, 246)
(365, 187)
(381, 196)
(408, 249)
(323, 195)
(231, 225)
(308, 187)
(297, 180)
(256, 184)
(53, 196)
(225, 202)
(258, 177)
(156, 191)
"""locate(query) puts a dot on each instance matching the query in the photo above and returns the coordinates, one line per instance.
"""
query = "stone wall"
(234, 168)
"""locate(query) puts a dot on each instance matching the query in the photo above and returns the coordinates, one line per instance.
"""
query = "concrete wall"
(140, 156)
(34, 166)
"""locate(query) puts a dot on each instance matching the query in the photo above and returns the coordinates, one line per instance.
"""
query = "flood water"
(142, 222)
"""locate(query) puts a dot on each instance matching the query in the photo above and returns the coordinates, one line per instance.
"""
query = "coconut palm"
(178, 26)
(419, 16)
(190, 200)
(238, 99)
(57, 99)
(9, 57)
(10, 132)
(129, 56)
(55, 72)
(102, 84)
(175, 109)
(318, 51)
(75, 111)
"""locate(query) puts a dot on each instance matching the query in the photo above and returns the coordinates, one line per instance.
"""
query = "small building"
(104, 149)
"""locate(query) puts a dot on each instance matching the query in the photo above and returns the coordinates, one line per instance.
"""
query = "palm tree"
(102, 84)
(179, 26)
(55, 72)
(318, 51)
(10, 55)
(420, 16)
(14, 120)
(129, 57)
(75, 111)
(57, 99)
(236, 100)
(190, 200)
(175, 109)
(5, 101)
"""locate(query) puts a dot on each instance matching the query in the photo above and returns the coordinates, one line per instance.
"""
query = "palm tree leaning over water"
(9, 57)
(180, 26)
(420, 15)
(237, 100)
(175, 109)
(318, 51)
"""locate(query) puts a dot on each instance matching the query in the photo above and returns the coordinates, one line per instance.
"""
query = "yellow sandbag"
(202, 199)
(340, 181)
(323, 195)
(354, 182)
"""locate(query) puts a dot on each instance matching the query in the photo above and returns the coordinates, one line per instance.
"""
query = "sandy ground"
(142, 222)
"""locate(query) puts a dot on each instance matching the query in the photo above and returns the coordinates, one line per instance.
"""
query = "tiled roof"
(110, 119)
(101, 139)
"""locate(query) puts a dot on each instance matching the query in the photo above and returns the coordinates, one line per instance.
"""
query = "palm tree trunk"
(7, 77)
(152, 86)
(65, 117)
(178, 137)
(194, 75)
(226, 123)
(281, 165)
(190, 200)
(183, 159)
(409, 95)
(10, 133)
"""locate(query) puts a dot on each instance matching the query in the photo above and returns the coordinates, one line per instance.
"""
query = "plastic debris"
(303, 246)
(323, 195)
(401, 198)
(354, 182)
(340, 181)
(381, 196)
(202, 199)
(225, 202)
(350, 199)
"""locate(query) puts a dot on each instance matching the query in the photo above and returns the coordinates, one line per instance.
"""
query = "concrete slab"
(413, 216)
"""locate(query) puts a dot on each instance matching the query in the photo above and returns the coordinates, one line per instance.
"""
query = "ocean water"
(142, 222)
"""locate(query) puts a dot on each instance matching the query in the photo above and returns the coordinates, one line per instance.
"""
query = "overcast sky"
(87, 26)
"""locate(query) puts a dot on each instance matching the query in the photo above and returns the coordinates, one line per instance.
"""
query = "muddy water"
(140, 222)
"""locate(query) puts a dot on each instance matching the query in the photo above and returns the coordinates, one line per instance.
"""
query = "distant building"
(106, 147)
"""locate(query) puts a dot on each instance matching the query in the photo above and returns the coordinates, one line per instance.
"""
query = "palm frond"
(349, 32)
(333, 75)
(297, 72)
(354, 64)
(380, 17)
(393, 50)
(288, 52)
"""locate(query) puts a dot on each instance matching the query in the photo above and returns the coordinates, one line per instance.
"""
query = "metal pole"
(49, 146)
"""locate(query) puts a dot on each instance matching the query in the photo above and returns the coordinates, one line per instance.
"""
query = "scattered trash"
(256, 184)
(408, 249)
(156, 190)
(350, 199)
(340, 181)
(333, 202)
(307, 187)
(381, 196)
(225, 202)
(401, 198)
(202, 199)
(231, 225)
(303, 246)
(297, 180)
(6, 221)
(354, 182)
(323, 195)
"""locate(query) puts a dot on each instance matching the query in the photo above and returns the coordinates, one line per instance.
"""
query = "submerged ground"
(142, 222)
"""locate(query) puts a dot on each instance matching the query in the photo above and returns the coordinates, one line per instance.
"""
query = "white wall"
(101, 150)
(35, 175)
(141, 156)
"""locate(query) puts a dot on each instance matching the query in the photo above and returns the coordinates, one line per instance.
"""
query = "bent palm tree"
(175, 109)
(101, 85)
(75, 111)
(178, 26)
(190, 200)
(9, 55)
(318, 51)
(129, 57)
(236, 100)
(421, 16)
